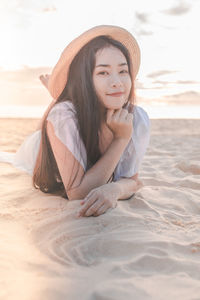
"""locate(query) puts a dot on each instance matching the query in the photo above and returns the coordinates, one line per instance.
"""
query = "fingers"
(130, 108)
(123, 115)
(129, 118)
(120, 114)
(101, 210)
(109, 114)
(94, 208)
(115, 113)
(90, 205)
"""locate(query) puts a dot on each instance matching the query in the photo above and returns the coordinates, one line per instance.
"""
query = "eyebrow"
(104, 65)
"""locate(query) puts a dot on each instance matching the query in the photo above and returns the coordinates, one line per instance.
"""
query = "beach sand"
(148, 247)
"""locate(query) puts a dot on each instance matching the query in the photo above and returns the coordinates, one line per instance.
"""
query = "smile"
(116, 94)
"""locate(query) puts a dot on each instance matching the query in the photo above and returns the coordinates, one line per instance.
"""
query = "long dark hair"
(81, 92)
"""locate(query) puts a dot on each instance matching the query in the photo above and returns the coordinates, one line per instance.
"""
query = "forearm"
(126, 187)
(101, 171)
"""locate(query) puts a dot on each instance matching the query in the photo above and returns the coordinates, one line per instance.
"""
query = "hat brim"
(58, 78)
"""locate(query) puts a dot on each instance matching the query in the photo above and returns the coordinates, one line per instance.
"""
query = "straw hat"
(58, 78)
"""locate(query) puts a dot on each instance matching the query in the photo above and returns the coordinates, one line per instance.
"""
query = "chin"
(117, 105)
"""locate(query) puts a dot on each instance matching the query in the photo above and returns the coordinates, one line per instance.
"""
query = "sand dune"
(148, 247)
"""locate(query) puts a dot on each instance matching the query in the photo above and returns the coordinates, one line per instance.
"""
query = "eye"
(124, 71)
(103, 72)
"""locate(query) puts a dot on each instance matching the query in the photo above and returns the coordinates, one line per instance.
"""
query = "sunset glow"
(34, 33)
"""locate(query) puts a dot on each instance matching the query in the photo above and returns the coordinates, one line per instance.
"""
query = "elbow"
(76, 193)
(73, 194)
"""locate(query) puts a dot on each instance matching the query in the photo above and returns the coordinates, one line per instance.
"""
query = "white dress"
(66, 131)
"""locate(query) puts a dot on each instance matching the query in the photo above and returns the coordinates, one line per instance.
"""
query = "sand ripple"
(148, 247)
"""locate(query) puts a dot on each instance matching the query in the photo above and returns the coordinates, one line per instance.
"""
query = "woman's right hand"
(120, 122)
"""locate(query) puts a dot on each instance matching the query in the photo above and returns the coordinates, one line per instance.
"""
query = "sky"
(34, 33)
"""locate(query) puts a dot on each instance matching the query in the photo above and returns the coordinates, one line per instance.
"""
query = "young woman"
(92, 138)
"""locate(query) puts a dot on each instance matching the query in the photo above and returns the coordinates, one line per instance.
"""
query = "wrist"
(116, 189)
(122, 140)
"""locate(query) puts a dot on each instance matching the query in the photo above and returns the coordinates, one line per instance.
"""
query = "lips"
(116, 94)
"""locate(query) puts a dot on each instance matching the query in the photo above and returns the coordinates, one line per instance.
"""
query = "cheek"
(100, 87)
(128, 84)
(96, 84)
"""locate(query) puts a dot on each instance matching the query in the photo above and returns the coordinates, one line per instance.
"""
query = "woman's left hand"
(99, 200)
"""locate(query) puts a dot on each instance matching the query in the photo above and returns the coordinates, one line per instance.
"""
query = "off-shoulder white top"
(69, 150)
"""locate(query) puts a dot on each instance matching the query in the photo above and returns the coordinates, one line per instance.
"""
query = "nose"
(116, 81)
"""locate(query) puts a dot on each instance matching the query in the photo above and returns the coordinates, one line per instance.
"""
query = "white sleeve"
(132, 157)
(26, 155)
(66, 144)
(62, 117)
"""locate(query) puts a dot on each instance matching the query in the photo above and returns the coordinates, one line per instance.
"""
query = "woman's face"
(111, 78)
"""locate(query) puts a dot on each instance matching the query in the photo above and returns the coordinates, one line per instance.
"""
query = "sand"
(148, 247)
